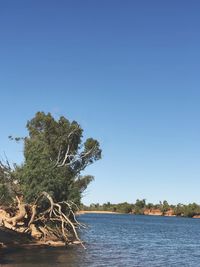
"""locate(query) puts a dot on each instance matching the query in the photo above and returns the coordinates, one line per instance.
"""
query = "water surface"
(120, 240)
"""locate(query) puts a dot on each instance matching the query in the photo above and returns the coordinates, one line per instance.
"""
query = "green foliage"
(191, 210)
(5, 194)
(149, 206)
(164, 206)
(121, 207)
(140, 203)
(179, 210)
(140, 206)
(54, 158)
(125, 208)
(8, 183)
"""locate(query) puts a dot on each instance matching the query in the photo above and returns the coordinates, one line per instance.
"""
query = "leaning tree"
(40, 196)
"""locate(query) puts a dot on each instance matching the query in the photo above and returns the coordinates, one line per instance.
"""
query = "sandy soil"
(97, 212)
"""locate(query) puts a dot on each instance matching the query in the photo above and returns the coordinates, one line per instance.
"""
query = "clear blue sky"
(127, 71)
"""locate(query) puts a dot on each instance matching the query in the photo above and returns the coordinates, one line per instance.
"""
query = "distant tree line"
(141, 207)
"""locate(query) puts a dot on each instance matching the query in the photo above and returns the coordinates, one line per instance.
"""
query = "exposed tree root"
(44, 220)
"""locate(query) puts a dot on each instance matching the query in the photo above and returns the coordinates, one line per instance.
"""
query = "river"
(120, 240)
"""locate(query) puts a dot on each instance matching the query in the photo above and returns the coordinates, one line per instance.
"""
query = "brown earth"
(196, 216)
(155, 212)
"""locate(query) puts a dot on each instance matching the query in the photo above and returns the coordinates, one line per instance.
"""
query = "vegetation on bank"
(140, 207)
(40, 196)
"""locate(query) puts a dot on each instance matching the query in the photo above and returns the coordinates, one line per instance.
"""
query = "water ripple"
(121, 241)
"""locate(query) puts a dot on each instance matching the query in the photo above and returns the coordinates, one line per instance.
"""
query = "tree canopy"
(54, 156)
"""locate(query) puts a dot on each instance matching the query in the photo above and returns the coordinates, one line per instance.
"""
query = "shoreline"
(81, 212)
(96, 212)
(12, 239)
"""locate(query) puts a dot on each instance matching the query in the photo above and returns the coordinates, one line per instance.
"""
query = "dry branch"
(56, 222)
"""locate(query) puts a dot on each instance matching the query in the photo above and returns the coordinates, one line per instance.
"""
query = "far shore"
(96, 211)
(113, 212)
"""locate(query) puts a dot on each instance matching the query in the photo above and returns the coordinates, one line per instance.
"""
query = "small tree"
(54, 157)
(164, 206)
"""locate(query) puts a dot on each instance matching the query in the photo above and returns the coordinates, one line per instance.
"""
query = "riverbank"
(147, 212)
(96, 212)
(13, 239)
(141, 207)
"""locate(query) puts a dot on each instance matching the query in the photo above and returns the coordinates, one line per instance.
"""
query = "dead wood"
(54, 223)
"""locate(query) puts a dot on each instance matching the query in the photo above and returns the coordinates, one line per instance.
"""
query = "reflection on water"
(41, 257)
(120, 240)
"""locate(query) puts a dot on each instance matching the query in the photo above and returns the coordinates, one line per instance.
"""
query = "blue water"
(121, 240)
